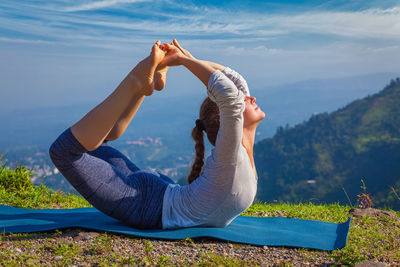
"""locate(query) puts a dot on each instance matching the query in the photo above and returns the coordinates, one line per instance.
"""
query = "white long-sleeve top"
(227, 185)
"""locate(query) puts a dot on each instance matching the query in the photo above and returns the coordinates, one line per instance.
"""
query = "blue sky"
(69, 52)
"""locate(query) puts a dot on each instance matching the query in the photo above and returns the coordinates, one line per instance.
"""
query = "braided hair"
(209, 122)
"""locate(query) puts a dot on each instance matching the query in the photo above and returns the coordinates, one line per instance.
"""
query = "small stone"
(87, 237)
(58, 257)
(357, 213)
(279, 213)
(18, 250)
(370, 264)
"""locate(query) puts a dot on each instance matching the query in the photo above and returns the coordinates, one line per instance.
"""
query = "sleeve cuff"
(237, 79)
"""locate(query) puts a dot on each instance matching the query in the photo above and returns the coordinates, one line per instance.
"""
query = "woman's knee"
(58, 155)
(65, 148)
(55, 151)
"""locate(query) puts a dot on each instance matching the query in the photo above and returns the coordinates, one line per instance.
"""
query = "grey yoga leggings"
(111, 182)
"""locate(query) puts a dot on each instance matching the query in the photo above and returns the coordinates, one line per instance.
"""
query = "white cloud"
(212, 32)
(199, 23)
(265, 50)
(386, 49)
(25, 41)
(372, 23)
(99, 4)
(255, 51)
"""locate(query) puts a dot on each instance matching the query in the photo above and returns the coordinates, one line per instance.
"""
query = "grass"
(17, 190)
(370, 238)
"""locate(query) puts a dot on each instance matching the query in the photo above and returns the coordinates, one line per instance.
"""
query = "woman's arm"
(176, 57)
(225, 94)
(235, 77)
(186, 53)
(201, 69)
(230, 102)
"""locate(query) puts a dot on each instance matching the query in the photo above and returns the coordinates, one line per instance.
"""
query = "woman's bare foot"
(144, 72)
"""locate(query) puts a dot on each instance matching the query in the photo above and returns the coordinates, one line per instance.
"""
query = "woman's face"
(252, 114)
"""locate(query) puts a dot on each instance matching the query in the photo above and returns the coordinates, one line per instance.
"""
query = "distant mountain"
(296, 102)
(316, 160)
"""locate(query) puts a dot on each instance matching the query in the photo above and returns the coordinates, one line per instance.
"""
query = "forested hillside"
(320, 159)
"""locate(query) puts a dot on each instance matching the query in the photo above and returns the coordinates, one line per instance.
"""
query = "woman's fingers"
(184, 51)
(172, 55)
(175, 42)
(167, 46)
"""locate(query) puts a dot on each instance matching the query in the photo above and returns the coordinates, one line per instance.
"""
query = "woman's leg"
(127, 194)
(125, 119)
(120, 126)
(96, 125)
(86, 173)
(114, 157)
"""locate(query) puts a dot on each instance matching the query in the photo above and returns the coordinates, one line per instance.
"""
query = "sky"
(55, 53)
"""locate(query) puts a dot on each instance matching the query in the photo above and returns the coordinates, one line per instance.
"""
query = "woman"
(145, 199)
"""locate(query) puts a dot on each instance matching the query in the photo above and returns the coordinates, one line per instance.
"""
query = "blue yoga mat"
(262, 231)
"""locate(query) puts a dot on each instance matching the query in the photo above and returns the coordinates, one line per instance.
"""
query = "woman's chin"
(263, 115)
(260, 118)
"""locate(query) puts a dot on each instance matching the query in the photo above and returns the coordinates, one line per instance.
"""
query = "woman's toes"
(157, 53)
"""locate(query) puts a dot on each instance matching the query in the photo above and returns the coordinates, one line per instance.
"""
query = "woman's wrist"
(185, 60)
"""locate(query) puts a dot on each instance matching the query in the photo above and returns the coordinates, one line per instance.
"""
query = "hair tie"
(200, 125)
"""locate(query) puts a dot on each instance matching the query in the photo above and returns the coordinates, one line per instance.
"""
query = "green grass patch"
(334, 213)
(211, 259)
(17, 190)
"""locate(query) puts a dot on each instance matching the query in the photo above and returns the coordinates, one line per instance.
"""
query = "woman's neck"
(248, 140)
(248, 144)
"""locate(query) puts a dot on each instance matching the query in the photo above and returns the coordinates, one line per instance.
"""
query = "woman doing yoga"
(216, 194)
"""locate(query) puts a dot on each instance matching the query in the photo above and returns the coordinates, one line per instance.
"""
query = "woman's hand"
(184, 51)
(173, 57)
(175, 54)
